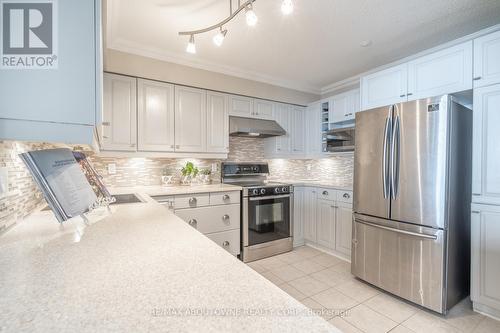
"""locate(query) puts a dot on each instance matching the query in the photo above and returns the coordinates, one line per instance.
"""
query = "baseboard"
(486, 310)
(328, 251)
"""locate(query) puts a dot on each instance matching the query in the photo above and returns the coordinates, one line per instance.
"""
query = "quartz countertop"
(139, 268)
(155, 190)
(318, 183)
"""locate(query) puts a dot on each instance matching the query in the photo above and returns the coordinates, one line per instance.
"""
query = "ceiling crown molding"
(127, 46)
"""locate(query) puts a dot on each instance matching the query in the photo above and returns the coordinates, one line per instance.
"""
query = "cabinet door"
(485, 252)
(343, 228)
(326, 223)
(217, 123)
(155, 116)
(313, 130)
(240, 106)
(190, 119)
(339, 106)
(282, 116)
(487, 60)
(486, 147)
(119, 114)
(443, 72)
(263, 109)
(298, 216)
(66, 94)
(297, 130)
(385, 87)
(310, 222)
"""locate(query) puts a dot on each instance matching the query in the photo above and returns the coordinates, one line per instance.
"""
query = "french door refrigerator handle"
(396, 132)
(387, 133)
(398, 231)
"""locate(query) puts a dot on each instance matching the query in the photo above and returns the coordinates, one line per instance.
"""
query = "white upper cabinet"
(313, 130)
(487, 60)
(217, 122)
(190, 119)
(119, 114)
(61, 103)
(386, 87)
(442, 72)
(486, 147)
(282, 116)
(241, 106)
(343, 107)
(263, 109)
(298, 130)
(155, 101)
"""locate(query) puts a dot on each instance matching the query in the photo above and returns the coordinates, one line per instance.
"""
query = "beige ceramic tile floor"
(324, 283)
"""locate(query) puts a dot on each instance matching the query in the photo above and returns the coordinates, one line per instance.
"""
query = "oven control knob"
(255, 191)
(284, 189)
(277, 190)
(262, 191)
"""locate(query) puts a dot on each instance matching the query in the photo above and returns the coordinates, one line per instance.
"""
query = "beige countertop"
(138, 269)
(174, 189)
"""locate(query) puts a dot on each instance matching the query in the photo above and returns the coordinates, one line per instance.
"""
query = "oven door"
(267, 219)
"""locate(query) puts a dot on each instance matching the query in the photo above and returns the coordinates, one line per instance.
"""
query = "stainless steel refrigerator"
(412, 194)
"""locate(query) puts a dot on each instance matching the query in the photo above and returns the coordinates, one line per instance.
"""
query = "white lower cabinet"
(325, 223)
(309, 209)
(298, 216)
(326, 218)
(216, 215)
(485, 259)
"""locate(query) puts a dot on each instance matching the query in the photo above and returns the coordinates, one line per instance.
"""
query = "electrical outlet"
(4, 182)
(214, 167)
(111, 168)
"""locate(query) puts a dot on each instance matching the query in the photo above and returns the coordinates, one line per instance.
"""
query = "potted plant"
(166, 176)
(188, 172)
(205, 176)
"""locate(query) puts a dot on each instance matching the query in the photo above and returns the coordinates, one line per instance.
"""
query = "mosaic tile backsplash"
(23, 195)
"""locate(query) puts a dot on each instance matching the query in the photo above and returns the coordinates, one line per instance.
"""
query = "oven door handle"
(270, 197)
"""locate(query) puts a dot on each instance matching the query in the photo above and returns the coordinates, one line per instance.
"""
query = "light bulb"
(219, 37)
(191, 48)
(287, 7)
(250, 16)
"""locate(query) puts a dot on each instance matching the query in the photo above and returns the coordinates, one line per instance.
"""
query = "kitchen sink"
(126, 199)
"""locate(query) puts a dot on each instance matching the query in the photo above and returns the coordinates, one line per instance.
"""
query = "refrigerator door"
(419, 151)
(371, 162)
(400, 258)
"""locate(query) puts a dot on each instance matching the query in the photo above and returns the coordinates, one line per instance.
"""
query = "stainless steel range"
(266, 213)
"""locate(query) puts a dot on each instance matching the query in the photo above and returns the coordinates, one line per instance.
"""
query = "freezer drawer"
(402, 259)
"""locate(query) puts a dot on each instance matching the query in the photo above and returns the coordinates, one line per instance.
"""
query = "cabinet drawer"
(344, 196)
(228, 240)
(212, 219)
(191, 200)
(327, 194)
(225, 198)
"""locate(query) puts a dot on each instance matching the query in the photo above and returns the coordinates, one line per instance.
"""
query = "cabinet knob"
(225, 243)
(325, 192)
(177, 147)
(477, 78)
(193, 223)
(106, 123)
(225, 218)
(225, 197)
(346, 195)
(105, 137)
(192, 201)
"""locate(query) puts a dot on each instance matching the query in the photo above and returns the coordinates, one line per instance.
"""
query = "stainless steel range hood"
(254, 128)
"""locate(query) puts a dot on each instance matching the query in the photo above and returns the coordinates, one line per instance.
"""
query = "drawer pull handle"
(192, 201)
(225, 218)
(225, 243)
(402, 95)
(477, 78)
(225, 197)
(325, 192)
(106, 123)
(346, 196)
(193, 223)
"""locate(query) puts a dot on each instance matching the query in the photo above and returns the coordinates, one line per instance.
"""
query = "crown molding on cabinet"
(355, 79)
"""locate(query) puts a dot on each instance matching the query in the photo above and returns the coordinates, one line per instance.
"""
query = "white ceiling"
(317, 45)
